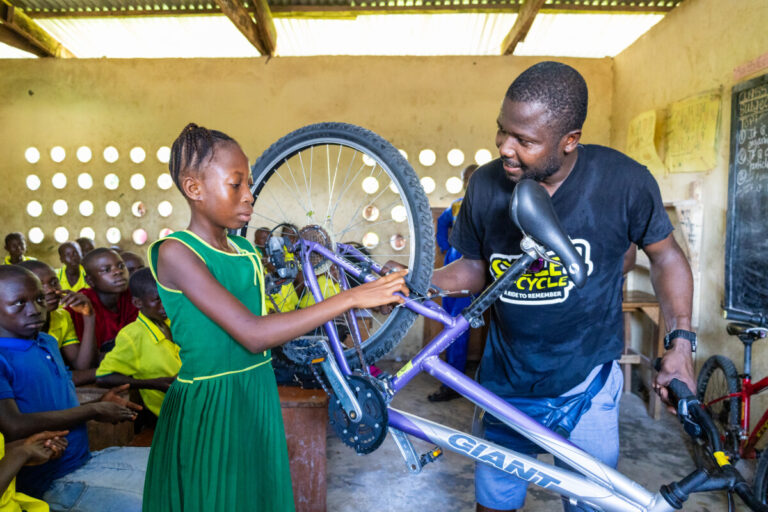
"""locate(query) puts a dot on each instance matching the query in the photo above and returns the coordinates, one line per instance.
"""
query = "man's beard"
(539, 174)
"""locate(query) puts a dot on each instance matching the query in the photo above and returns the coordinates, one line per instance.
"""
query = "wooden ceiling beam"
(256, 33)
(265, 25)
(522, 25)
(28, 34)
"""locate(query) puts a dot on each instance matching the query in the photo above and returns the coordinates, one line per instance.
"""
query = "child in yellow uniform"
(16, 246)
(145, 356)
(71, 274)
(36, 449)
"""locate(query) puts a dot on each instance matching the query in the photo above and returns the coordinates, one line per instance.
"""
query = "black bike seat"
(740, 329)
(531, 210)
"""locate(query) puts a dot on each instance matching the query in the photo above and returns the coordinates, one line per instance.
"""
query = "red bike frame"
(748, 390)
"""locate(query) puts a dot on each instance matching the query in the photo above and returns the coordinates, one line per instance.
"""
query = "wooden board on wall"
(746, 264)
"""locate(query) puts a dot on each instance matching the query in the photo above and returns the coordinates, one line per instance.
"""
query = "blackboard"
(746, 250)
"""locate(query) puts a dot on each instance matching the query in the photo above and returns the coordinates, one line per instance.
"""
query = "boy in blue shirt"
(36, 393)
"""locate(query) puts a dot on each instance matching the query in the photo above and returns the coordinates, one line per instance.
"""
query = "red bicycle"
(727, 396)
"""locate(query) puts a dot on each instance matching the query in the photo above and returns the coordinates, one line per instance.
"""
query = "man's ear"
(571, 141)
(190, 185)
(137, 302)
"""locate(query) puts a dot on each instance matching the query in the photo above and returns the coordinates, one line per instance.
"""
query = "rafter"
(522, 25)
(20, 31)
(258, 34)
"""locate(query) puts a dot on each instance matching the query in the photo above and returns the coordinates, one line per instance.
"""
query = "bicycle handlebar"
(757, 319)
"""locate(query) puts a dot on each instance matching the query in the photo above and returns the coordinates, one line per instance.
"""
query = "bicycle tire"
(420, 232)
(717, 378)
(760, 485)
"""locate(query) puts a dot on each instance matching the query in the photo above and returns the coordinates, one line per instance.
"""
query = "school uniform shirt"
(7, 260)
(108, 323)
(62, 327)
(285, 299)
(79, 285)
(142, 351)
(12, 501)
(33, 374)
(328, 288)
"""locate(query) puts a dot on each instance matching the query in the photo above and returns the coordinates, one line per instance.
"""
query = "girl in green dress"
(219, 444)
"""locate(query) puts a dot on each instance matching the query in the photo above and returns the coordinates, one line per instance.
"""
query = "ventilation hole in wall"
(402, 152)
(114, 235)
(35, 235)
(454, 185)
(58, 154)
(84, 181)
(483, 156)
(139, 237)
(370, 240)
(397, 242)
(88, 232)
(370, 185)
(61, 234)
(399, 213)
(111, 154)
(33, 182)
(84, 154)
(428, 184)
(164, 181)
(165, 208)
(165, 232)
(371, 213)
(113, 209)
(60, 207)
(138, 209)
(137, 155)
(34, 208)
(164, 154)
(427, 157)
(86, 208)
(138, 181)
(367, 160)
(32, 155)
(455, 157)
(59, 180)
(393, 187)
(111, 181)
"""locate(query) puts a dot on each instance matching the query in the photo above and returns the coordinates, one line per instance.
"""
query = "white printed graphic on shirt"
(550, 285)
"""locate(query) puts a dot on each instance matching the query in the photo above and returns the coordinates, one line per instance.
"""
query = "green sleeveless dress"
(219, 444)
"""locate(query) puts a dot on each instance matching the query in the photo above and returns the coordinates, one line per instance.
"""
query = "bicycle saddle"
(531, 210)
(739, 329)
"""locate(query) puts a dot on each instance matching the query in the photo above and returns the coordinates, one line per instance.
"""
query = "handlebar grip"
(679, 391)
(756, 319)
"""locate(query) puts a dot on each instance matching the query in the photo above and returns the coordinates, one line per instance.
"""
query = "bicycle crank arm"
(339, 384)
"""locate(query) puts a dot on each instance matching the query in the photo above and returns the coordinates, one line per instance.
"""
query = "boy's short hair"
(88, 258)
(142, 282)
(15, 235)
(34, 265)
(10, 272)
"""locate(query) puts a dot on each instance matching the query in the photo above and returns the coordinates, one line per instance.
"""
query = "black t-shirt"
(545, 334)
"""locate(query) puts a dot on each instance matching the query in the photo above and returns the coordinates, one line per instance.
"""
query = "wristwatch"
(680, 333)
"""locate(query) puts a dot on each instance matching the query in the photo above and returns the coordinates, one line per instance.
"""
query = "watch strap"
(680, 333)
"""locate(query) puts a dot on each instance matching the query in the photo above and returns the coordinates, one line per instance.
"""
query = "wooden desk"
(642, 302)
(305, 415)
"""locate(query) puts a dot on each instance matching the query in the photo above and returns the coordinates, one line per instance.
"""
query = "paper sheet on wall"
(640, 142)
(692, 133)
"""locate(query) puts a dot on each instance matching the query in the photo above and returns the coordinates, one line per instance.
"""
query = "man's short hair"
(34, 265)
(560, 88)
(11, 236)
(91, 256)
(11, 272)
(142, 283)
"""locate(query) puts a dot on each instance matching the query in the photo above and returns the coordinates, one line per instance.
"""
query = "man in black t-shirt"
(548, 338)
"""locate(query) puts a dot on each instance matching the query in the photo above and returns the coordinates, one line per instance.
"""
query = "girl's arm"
(180, 269)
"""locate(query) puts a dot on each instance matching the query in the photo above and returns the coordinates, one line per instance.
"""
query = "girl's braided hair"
(191, 148)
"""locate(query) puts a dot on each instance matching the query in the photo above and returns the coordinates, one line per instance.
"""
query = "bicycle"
(728, 397)
(359, 405)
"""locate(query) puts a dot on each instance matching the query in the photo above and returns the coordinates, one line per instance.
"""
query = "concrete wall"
(416, 103)
(692, 50)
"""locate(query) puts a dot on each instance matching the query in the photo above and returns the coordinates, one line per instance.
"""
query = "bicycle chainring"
(367, 434)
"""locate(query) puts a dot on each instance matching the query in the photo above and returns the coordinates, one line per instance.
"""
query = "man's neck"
(552, 183)
(108, 300)
(72, 273)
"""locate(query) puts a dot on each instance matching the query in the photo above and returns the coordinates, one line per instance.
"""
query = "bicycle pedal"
(306, 350)
(431, 456)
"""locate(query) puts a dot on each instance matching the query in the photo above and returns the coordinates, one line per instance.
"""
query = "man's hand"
(676, 363)
(78, 302)
(41, 447)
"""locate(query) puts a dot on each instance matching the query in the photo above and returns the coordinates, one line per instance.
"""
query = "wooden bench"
(647, 304)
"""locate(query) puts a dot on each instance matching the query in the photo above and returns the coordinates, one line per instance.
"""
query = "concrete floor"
(652, 453)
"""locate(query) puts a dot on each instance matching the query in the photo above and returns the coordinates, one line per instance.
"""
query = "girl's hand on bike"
(676, 364)
(381, 291)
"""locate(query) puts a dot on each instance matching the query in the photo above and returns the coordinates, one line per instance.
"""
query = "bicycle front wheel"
(358, 189)
(718, 378)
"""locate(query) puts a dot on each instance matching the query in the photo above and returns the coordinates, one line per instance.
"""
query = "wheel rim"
(717, 387)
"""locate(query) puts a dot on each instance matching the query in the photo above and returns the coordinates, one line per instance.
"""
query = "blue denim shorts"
(597, 433)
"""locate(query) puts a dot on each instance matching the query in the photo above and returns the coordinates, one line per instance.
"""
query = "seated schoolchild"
(133, 261)
(78, 353)
(145, 356)
(36, 449)
(86, 245)
(71, 274)
(16, 247)
(113, 309)
(36, 393)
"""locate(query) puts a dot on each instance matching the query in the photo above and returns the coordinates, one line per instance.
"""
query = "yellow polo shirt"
(79, 285)
(62, 327)
(286, 299)
(143, 352)
(12, 501)
(23, 258)
(327, 287)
